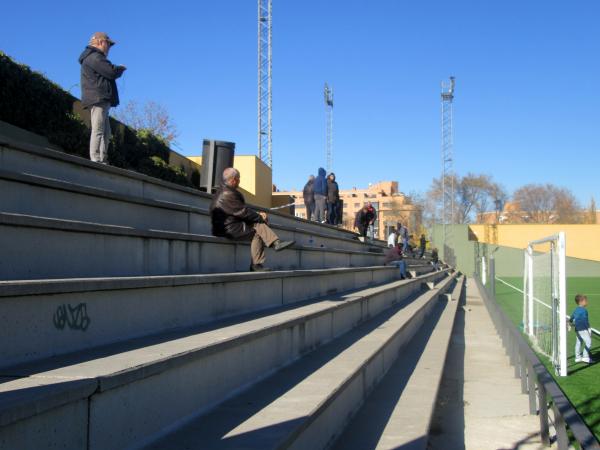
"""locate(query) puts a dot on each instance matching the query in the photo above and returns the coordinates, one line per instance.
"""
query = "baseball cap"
(101, 36)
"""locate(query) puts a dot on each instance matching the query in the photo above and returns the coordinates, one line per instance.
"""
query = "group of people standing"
(322, 198)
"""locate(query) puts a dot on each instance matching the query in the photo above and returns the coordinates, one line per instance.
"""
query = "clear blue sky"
(526, 106)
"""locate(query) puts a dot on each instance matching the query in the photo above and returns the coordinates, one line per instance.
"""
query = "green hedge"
(30, 101)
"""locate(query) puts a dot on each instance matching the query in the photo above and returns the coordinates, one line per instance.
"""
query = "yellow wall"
(178, 160)
(583, 241)
(256, 182)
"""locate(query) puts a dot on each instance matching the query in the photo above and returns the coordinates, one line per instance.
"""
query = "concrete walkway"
(480, 405)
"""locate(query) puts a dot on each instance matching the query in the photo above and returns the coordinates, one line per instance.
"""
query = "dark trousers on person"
(332, 213)
(310, 210)
(362, 230)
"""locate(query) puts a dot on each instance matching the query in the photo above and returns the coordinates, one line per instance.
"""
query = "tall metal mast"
(328, 95)
(265, 143)
(447, 165)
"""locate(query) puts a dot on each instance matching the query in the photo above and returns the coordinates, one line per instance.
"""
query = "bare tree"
(150, 116)
(546, 203)
(591, 212)
(566, 207)
(473, 195)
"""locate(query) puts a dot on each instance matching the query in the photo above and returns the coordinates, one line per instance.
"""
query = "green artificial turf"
(581, 386)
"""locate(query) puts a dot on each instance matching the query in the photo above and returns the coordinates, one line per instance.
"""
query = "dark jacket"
(333, 191)
(393, 254)
(371, 214)
(361, 219)
(320, 185)
(98, 77)
(423, 242)
(230, 216)
(309, 192)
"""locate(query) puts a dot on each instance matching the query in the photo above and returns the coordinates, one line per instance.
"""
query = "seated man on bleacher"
(231, 218)
(393, 256)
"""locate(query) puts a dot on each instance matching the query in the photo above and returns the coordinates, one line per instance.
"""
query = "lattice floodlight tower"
(328, 97)
(265, 142)
(447, 167)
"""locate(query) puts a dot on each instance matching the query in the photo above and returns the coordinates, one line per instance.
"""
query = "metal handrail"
(544, 393)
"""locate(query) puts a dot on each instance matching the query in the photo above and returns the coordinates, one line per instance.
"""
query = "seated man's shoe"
(280, 245)
(259, 268)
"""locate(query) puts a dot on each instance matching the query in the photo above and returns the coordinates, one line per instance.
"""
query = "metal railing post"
(523, 370)
(561, 429)
(531, 389)
(492, 277)
(516, 355)
(543, 411)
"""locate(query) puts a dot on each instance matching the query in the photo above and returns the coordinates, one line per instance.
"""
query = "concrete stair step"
(180, 376)
(18, 157)
(38, 248)
(398, 413)
(306, 405)
(44, 197)
(45, 318)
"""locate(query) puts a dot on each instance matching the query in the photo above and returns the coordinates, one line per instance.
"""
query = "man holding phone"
(99, 91)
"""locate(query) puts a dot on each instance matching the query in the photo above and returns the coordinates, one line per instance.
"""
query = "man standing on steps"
(403, 233)
(320, 192)
(99, 91)
(333, 197)
(231, 218)
(309, 197)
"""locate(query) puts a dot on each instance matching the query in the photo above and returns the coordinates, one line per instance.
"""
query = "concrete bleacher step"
(44, 168)
(306, 405)
(37, 248)
(398, 413)
(43, 197)
(44, 318)
(106, 394)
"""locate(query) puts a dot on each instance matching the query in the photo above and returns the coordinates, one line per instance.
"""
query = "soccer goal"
(544, 299)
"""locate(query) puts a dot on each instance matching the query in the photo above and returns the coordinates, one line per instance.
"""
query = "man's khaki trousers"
(263, 237)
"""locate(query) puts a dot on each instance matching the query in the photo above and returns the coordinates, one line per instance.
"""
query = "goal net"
(544, 299)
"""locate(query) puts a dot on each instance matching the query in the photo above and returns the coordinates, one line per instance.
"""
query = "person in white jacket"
(392, 238)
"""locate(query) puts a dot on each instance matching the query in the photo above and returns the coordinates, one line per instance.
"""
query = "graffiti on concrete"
(74, 317)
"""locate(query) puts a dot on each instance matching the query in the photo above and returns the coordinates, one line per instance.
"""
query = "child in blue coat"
(579, 318)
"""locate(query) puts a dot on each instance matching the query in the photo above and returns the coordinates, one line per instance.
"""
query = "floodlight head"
(328, 94)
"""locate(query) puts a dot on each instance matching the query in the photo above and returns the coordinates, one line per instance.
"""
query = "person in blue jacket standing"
(320, 190)
(579, 318)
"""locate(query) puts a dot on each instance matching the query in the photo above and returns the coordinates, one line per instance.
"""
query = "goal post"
(545, 298)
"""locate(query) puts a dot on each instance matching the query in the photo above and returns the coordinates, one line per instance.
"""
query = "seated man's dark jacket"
(230, 216)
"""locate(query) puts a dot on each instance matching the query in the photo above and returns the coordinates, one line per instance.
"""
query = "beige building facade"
(392, 206)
